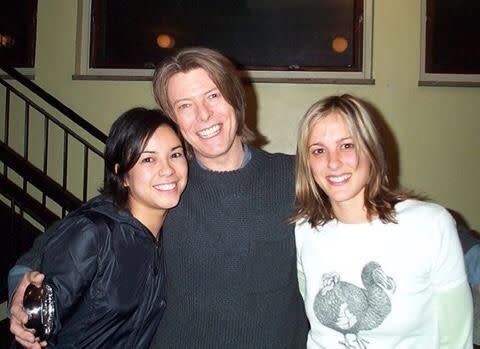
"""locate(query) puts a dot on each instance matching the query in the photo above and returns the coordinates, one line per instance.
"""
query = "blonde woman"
(377, 268)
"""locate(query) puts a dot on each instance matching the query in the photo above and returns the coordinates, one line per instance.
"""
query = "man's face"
(206, 120)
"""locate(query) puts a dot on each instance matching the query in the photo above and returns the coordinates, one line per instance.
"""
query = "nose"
(204, 111)
(166, 169)
(334, 161)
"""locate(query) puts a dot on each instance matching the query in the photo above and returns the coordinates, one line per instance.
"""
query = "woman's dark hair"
(126, 141)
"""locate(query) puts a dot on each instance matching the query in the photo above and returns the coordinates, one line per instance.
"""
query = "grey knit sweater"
(231, 261)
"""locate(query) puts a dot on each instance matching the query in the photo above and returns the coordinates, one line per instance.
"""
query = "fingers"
(16, 307)
(18, 317)
(34, 277)
(25, 336)
(29, 345)
(22, 335)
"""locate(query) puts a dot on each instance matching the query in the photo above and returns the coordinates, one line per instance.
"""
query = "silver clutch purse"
(39, 305)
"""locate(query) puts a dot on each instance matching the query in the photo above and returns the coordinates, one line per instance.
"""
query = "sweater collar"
(247, 156)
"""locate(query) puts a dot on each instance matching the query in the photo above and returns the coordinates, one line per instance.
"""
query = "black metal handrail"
(49, 116)
(48, 120)
(34, 176)
(51, 100)
(26, 205)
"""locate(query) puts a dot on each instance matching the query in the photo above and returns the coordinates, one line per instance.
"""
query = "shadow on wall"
(390, 145)
(251, 117)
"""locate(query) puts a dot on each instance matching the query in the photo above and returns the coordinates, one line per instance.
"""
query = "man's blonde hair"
(219, 68)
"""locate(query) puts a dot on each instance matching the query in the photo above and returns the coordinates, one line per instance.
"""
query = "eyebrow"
(212, 89)
(339, 141)
(188, 98)
(154, 152)
(177, 147)
(344, 139)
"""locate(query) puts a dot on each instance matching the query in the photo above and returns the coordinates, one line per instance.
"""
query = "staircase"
(50, 162)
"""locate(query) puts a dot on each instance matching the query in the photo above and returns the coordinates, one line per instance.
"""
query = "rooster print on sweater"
(350, 309)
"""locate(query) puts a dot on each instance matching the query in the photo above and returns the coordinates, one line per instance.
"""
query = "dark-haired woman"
(104, 262)
(379, 268)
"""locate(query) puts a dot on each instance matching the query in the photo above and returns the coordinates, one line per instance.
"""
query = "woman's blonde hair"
(311, 203)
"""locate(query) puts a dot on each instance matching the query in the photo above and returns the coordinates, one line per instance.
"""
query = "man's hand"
(18, 318)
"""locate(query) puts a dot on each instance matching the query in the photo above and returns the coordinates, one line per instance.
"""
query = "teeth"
(209, 132)
(168, 186)
(339, 179)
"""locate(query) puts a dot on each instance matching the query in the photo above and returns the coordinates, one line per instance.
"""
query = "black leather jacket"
(108, 277)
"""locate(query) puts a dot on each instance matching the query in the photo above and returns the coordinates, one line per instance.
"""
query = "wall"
(435, 128)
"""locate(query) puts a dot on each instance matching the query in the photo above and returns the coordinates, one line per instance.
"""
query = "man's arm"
(29, 261)
(19, 277)
(472, 264)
